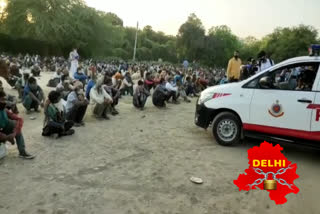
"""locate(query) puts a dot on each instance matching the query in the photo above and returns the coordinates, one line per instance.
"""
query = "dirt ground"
(141, 162)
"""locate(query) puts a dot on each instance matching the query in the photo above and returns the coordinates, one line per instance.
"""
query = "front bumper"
(203, 116)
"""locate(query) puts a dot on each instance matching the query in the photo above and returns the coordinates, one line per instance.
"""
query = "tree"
(250, 47)
(286, 43)
(190, 39)
(220, 45)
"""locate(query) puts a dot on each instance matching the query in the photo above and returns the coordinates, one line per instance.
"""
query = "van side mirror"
(266, 82)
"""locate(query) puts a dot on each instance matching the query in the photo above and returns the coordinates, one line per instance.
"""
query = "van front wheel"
(226, 129)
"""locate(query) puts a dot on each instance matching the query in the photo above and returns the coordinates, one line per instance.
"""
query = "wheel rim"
(227, 130)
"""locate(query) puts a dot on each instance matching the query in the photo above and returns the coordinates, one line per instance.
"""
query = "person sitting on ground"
(35, 70)
(202, 82)
(156, 80)
(127, 85)
(172, 91)
(55, 121)
(140, 95)
(182, 91)
(11, 101)
(55, 79)
(224, 80)
(80, 76)
(92, 71)
(101, 100)
(148, 82)
(113, 92)
(33, 96)
(21, 83)
(189, 87)
(117, 80)
(65, 87)
(160, 94)
(91, 84)
(136, 76)
(76, 105)
(11, 128)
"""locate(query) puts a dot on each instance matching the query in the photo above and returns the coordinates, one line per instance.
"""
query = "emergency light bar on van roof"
(314, 50)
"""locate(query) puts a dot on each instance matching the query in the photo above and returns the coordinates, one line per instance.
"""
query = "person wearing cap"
(33, 96)
(55, 117)
(233, 70)
(76, 105)
(100, 99)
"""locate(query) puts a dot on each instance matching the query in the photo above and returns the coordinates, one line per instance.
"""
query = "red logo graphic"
(276, 110)
(269, 170)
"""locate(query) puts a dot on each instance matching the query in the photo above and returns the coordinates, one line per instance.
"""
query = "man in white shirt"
(101, 99)
(173, 91)
(73, 57)
(264, 62)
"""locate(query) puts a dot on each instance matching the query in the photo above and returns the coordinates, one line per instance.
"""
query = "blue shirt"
(71, 100)
(80, 77)
(178, 78)
(27, 90)
(90, 85)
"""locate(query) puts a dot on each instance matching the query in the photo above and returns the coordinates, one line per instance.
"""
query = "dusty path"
(141, 162)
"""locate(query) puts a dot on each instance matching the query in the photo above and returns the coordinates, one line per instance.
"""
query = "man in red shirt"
(10, 128)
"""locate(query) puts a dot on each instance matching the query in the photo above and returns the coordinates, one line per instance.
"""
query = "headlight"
(204, 97)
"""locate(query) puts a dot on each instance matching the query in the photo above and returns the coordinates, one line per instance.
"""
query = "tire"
(226, 128)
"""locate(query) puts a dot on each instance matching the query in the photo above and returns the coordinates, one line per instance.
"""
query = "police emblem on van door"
(276, 110)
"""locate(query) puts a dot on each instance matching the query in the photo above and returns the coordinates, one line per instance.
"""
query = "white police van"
(280, 104)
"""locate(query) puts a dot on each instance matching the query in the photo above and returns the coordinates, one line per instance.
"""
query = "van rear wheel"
(226, 128)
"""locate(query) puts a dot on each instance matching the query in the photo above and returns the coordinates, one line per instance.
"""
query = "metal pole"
(135, 43)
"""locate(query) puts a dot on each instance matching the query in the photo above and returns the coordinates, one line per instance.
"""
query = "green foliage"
(285, 43)
(190, 39)
(220, 45)
(54, 27)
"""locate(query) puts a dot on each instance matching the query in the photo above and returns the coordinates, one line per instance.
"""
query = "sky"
(245, 17)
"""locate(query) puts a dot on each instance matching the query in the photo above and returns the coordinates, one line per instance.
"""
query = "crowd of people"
(75, 84)
(237, 70)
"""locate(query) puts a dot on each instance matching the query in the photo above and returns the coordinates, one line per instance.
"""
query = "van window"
(296, 77)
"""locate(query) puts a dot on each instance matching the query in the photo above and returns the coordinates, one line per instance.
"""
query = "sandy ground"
(141, 162)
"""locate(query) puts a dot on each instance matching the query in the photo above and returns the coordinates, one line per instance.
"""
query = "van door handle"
(304, 101)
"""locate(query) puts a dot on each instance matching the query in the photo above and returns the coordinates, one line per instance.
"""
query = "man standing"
(73, 57)
(233, 71)
(264, 61)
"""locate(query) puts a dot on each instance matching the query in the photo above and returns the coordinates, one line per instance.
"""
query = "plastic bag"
(3, 150)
